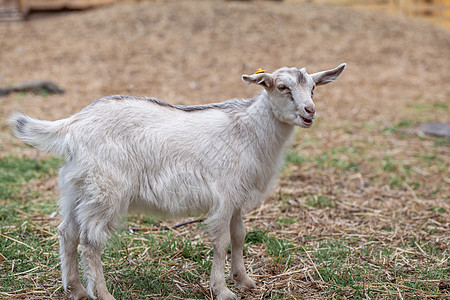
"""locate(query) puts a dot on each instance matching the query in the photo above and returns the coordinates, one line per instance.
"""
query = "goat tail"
(47, 136)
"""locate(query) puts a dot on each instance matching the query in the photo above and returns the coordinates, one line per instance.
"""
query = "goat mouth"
(306, 122)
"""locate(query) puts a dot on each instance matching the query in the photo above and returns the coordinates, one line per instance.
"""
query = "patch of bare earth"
(384, 188)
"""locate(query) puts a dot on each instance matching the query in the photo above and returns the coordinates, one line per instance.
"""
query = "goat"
(127, 153)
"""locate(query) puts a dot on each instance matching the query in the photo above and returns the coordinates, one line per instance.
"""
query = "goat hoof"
(226, 295)
(106, 297)
(79, 294)
(244, 282)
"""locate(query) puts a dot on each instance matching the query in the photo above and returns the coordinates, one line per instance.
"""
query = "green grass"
(396, 127)
(16, 171)
(149, 276)
(293, 157)
(279, 248)
(429, 107)
(320, 201)
(286, 221)
(342, 159)
(360, 273)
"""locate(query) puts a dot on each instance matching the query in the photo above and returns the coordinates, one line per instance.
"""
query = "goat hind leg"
(99, 220)
(93, 270)
(69, 239)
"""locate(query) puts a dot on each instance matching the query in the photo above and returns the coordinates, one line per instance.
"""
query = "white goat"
(128, 153)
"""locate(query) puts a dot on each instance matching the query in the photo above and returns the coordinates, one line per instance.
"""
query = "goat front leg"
(240, 277)
(220, 237)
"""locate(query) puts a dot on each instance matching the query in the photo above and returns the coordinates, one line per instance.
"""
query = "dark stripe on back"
(233, 103)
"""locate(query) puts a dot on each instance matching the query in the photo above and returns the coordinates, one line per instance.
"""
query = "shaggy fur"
(141, 154)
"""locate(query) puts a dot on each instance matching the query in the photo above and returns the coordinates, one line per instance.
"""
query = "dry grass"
(361, 210)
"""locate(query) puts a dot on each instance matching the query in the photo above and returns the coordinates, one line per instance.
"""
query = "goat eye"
(282, 88)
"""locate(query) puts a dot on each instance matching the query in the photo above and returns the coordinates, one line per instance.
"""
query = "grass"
(374, 270)
(320, 201)
(348, 220)
(16, 171)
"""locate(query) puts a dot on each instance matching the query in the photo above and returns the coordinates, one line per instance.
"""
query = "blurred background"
(436, 11)
(187, 52)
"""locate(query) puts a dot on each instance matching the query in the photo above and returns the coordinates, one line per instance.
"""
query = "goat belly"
(175, 194)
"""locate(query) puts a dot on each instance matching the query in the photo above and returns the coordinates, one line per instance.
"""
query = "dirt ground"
(191, 52)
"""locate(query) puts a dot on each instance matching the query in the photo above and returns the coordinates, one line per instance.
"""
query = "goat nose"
(310, 109)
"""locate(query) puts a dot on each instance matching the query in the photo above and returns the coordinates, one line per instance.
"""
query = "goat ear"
(264, 79)
(328, 76)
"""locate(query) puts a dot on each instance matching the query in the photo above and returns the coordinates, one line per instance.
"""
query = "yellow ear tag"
(260, 71)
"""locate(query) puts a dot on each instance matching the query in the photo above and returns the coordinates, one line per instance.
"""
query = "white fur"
(128, 153)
